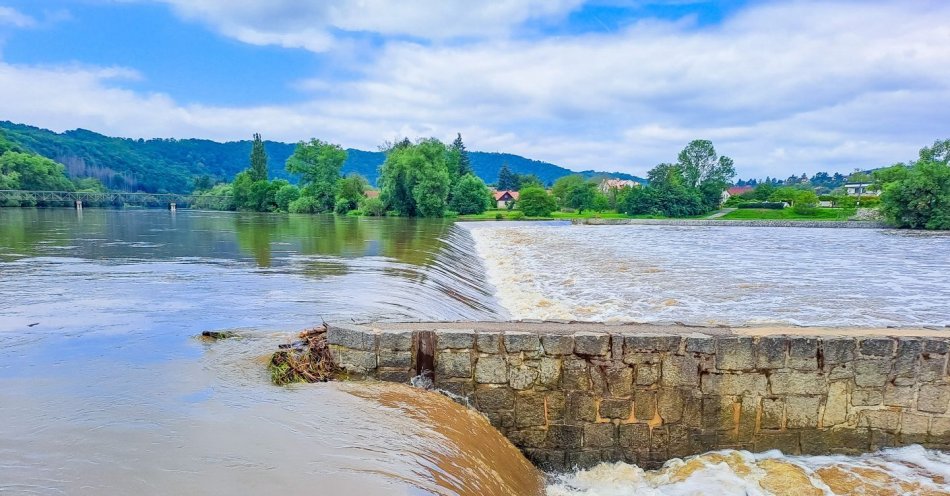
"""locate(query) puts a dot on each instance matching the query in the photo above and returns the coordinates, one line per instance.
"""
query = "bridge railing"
(116, 198)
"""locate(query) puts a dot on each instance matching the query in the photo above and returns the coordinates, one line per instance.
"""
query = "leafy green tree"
(582, 197)
(20, 170)
(670, 201)
(352, 189)
(534, 201)
(701, 165)
(469, 195)
(258, 159)
(203, 182)
(918, 197)
(305, 205)
(666, 175)
(507, 180)
(564, 188)
(601, 202)
(806, 203)
(415, 180)
(318, 163)
(285, 195)
(373, 207)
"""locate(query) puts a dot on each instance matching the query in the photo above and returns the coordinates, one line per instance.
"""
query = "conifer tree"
(258, 159)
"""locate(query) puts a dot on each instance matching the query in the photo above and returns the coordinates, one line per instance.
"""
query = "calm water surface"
(105, 390)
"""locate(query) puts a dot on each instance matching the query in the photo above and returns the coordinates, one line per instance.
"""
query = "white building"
(860, 189)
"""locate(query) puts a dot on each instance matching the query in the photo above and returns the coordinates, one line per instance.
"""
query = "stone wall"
(645, 394)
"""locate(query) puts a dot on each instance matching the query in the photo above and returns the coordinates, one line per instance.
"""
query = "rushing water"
(720, 275)
(104, 388)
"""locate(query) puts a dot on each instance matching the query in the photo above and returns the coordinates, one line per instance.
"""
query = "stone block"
(529, 410)
(528, 437)
(565, 436)
(741, 384)
(489, 399)
(773, 413)
(554, 405)
(647, 374)
(786, 442)
(557, 344)
(796, 382)
(933, 398)
(615, 408)
(936, 345)
(898, 396)
(650, 343)
(583, 459)
(619, 381)
(580, 407)
(878, 347)
(453, 364)
(522, 377)
(719, 413)
(395, 340)
(770, 352)
(680, 371)
(940, 427)
(637, 357)
(488, 342)
(356, 361)
(888, 420)
(867, 397)
(836, 404)
(636, 436)
(575, 375)
(393, 375)
(600, 435)
(547, 460)
(932, 367)
(598, 380)
(591, 343)
(735, 354)
(644, 405)
(461, 388)
(683, 441)
(659, 442)
(670, 404)
(456, 339)
(843, 440)
(549, 371)
(835, 351)
(871, 372)
(801, 411)
(700, 344)
(352, 337)
(913, 424)
(491, 370)
(518, 341)
(400, 359)
(803, 353)
(907, 358)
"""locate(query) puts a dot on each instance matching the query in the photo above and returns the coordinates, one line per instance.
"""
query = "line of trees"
(916, 195)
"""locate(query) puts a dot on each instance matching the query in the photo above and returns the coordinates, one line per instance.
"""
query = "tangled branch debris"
(305, 360)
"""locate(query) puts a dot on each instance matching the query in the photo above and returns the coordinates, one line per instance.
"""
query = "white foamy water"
(719, 275)
(902, 471)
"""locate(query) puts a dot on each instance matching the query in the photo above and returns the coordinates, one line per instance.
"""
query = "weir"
(576, 394)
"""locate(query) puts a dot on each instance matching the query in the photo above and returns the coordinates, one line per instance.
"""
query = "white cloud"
(12, 17)
(782, 88)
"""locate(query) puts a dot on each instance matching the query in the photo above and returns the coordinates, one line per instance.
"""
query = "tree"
(534, 201)
(285, 195)
(601, 202)
(526, 180)
(351, 190)
(669, 175)
(582, 197)
(460, 163)
(258, 159)
(415, 180)
(21, 170)
(918, 197)
(564, 188)
(507, 180)
(701, 165)
(469, 195)
(318, 163)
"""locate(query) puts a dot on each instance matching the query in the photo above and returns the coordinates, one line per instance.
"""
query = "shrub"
(516, 215)
(373, 207)
(343, 206)
(805, 208)
(536, 202)
(499, 216)
(304, 205)
(285, 195)
(771, 205)
(469, 196)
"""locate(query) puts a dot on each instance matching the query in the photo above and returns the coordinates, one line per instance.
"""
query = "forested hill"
(172, 165)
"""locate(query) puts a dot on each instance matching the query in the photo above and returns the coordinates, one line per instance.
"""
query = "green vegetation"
(917, 195)
(830, 214)
(536, 202)
(470, 195)
(20, 169)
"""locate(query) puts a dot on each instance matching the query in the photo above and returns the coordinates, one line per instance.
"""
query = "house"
(860, 189)
(371, 193)
(505, 198)
(738, 190)
(608, 184)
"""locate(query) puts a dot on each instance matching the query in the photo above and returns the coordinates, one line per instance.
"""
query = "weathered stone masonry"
(646, 394)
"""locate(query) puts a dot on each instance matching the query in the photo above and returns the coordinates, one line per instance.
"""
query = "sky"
(782, 87)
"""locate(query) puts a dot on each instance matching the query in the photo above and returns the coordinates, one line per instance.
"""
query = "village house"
(608, 184)
(860, 189)
(505, 198)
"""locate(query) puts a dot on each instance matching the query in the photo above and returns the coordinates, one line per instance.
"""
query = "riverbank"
(854, 224)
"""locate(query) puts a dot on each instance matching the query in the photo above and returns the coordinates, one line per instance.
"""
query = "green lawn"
(788, 214)
(507, 215)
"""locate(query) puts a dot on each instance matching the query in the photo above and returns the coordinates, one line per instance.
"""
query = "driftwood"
(305, 360)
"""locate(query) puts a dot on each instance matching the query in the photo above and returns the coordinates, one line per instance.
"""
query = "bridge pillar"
(78, 204)
(173, 206)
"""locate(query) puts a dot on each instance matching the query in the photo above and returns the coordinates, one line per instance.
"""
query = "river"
(105, 389)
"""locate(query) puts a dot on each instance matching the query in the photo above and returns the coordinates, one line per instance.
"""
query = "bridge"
(110, 198)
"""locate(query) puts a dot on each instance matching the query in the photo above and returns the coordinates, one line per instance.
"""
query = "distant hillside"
(157, 165)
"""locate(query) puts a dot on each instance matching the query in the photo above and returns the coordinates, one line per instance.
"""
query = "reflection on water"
(720, 275)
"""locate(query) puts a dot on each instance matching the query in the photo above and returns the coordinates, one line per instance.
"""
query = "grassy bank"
(829, 214)
(496, 214)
